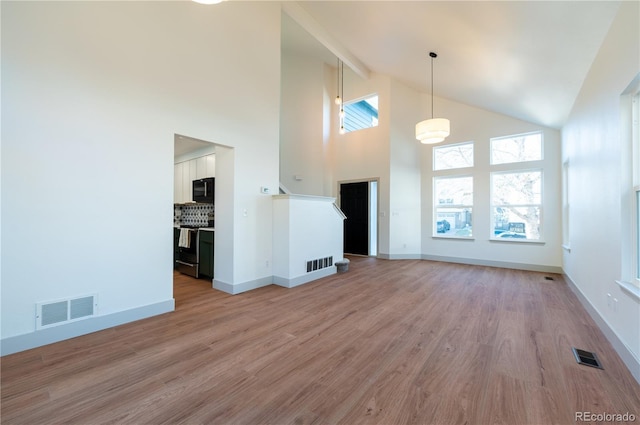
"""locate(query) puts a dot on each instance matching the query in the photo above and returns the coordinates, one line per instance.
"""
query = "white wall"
(477, 125)
(313, 148)
(301, 124)
(391, 154)
(596, 153)
(364, 154)
(405, 175)
(308, 228)
(93, 93)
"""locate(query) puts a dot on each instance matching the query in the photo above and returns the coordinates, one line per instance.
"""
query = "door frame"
(372, 207)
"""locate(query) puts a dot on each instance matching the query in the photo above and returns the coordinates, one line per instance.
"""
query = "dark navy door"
(354, 202)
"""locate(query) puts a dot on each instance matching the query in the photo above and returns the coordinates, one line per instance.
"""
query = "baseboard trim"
(47, 336)
(238, 288)
(491, 263)
(305, 278)
(627, 356)
(399, 256)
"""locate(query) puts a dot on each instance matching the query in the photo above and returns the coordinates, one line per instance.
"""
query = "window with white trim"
(637, 233)
(453, 206)
(453, 194)
(360, 113)
(635, 149)
(516, 189)
(630, 174)
(516, 204)
(449, 157)
(516, 148)
(566, 208)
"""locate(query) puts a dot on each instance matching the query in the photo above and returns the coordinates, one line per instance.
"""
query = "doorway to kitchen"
(359, 203)
(201, 164)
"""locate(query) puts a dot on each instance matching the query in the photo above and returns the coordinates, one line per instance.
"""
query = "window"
(453, 156)
(516, 194)
(635, 150)
(518, 148)
(516, 201)
(630, 177)
(453, 201)
(360, 114)
(637, 244)
(566, 209)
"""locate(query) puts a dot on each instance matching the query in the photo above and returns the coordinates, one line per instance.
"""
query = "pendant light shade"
(433, 130)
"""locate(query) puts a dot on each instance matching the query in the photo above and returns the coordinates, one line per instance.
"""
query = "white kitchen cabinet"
(184, 173)
(189, 171)
(210, 161)
(177, 182)
(201, 167)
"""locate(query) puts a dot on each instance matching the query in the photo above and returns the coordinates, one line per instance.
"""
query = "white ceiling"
(183, 145)
(526, 59)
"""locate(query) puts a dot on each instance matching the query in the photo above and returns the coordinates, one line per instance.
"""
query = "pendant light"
(432, 130)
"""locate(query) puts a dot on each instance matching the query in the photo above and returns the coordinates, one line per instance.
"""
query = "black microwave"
(204, 190)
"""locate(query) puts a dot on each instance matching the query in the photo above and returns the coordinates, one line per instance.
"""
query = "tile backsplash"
(193, 215)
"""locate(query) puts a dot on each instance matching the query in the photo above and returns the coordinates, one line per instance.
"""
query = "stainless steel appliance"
(187, 255)
(204, 190)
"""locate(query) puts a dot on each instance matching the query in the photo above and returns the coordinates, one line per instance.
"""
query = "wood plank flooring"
(388, 342)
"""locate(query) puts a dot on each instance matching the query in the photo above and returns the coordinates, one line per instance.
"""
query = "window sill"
(458, 238)
(515, 240)
(631, 289)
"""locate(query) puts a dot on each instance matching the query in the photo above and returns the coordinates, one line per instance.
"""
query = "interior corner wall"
(302, 124)
(478, 125)
(592, 144)
(405, 173)
(92, 95)
(329, 121)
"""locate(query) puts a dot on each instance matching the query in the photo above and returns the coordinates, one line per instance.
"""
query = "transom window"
(453, 156)
(360, 114)
(517, 148)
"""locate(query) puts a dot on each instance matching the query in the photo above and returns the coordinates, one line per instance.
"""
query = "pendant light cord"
(433, 55)
(338, 85)
(431, 86)
(342, 82)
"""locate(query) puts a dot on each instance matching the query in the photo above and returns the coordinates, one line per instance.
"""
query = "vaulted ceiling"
(525, 59)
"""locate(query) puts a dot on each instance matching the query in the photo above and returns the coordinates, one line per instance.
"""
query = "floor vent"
(548, 278)
(63, 311)
(320, 263)
(586, 358)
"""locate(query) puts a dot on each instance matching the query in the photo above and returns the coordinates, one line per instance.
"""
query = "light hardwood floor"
(388, 342)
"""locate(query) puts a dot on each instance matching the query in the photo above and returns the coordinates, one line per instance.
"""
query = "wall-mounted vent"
(320, 263)
(64, 311)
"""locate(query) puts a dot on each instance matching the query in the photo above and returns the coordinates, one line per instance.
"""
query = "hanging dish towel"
(185, 240)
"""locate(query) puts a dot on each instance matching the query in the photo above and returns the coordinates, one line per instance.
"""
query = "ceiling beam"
(309, 24)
